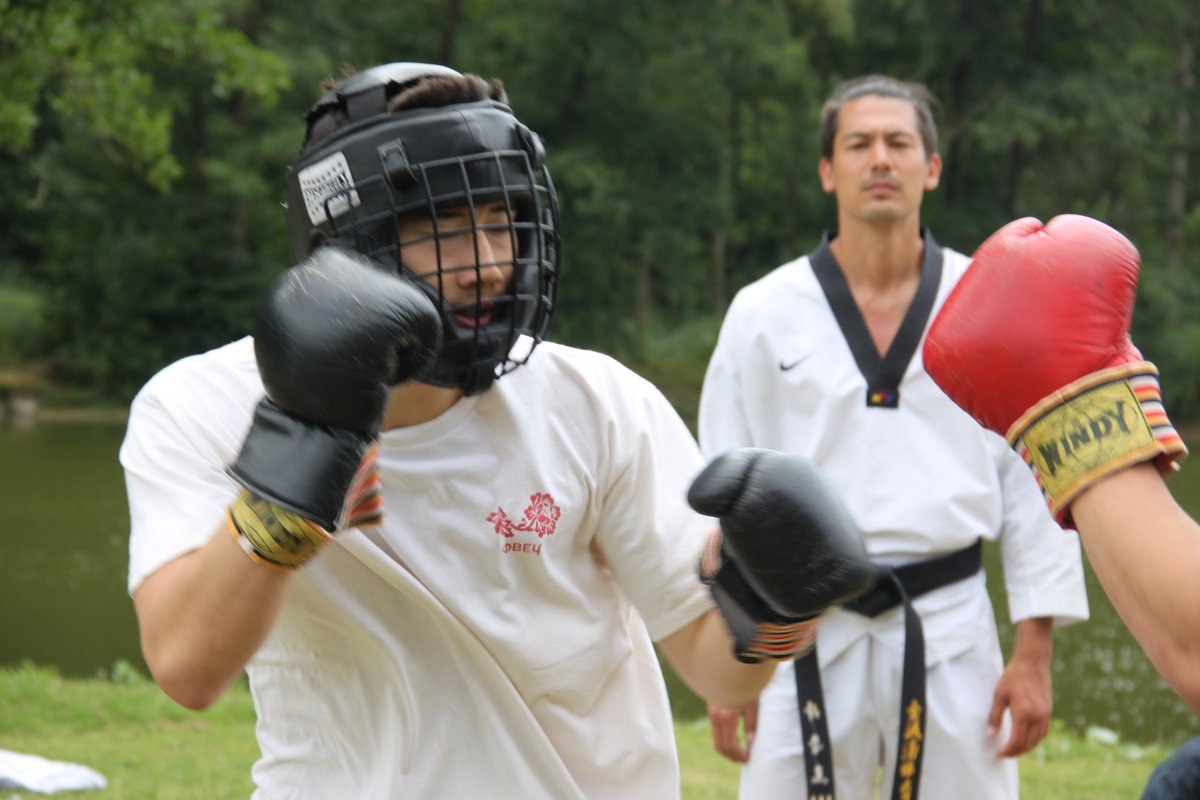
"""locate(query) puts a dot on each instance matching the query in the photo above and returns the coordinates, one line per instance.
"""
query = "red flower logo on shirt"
(541, 517)
(501, 523)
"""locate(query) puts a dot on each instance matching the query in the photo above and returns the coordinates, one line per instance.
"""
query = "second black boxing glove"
(787, 549)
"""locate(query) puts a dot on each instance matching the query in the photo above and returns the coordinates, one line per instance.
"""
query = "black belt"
(898, 587)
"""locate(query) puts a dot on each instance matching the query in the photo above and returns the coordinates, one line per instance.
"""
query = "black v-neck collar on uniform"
(883, 375)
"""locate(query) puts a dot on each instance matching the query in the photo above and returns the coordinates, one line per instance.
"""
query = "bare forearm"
(1034, 641)
(702, 655)
(1146, 552)
(203, 616)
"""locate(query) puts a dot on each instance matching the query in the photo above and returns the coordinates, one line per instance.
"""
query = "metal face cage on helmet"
(354, 189)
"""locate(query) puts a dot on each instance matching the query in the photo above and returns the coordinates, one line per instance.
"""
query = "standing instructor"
(821, 358)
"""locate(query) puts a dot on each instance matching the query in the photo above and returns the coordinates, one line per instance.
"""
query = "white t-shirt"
(472, 646)
(921, 480)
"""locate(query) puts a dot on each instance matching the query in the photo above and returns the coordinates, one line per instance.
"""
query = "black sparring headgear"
(351, 189)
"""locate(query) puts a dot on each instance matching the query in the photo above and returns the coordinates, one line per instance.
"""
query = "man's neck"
(413, 402)
(882, 265)
(879, 256)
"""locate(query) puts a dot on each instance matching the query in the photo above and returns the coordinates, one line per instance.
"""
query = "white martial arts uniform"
(921, 480)
(472, 646)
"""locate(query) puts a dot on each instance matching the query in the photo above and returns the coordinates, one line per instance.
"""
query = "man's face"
(879, 170)
(476, 260)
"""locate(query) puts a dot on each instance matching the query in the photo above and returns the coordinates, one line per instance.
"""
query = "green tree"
(143, 148)
(108, 140)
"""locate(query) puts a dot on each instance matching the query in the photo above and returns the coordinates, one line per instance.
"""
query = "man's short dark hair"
(921, 99)
(429, 92)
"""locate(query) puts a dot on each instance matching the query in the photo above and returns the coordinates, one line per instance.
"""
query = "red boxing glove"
(1034, 344)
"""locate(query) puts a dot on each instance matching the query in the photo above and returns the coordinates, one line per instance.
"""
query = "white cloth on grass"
(37, 774)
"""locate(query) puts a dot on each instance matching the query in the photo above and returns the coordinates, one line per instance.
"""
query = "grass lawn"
(150, 749)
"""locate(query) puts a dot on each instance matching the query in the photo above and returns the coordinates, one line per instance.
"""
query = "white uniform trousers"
(862, 698)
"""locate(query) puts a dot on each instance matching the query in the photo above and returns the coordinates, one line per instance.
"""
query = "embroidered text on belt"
(898, 587)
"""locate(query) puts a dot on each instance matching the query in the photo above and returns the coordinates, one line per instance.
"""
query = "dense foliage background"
(143, 145)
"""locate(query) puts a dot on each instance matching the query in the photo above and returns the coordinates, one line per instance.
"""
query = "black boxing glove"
(332, 335)
(787, 550)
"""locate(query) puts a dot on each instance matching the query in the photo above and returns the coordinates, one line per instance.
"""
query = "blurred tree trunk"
(1016, 152)
(239, 222)
(198, 126)
(727, 185)
(720, 253)
(643, 299)
(1177, 185)
(450, 31)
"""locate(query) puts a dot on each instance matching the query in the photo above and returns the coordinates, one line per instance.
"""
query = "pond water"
(63, 599)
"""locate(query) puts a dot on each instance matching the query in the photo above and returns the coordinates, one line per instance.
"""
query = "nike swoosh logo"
(784, 366)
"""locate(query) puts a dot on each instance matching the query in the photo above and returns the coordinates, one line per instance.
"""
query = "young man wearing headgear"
(440, 559)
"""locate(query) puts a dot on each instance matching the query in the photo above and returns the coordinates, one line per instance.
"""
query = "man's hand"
(725, 730)
(1024, 689)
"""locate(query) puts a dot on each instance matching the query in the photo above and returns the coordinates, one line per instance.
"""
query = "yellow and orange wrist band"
(1093, 427)
(274, 536)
